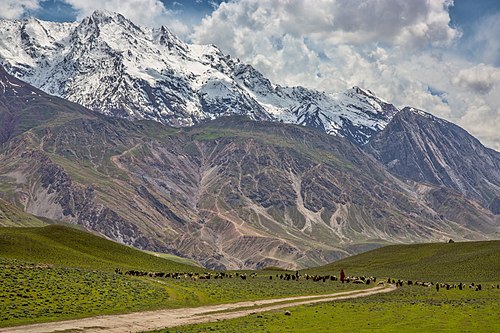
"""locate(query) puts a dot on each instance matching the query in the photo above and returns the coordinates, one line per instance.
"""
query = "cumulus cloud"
(399, 22)
(12, 9)
(329, 44)
(483, 122)
(481, 78)
(150, 13)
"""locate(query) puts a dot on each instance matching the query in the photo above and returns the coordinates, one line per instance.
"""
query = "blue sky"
(442, 56)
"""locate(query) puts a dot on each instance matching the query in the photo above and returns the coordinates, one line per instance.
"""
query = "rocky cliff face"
(109, 64)
(231, 193)
(424, 148)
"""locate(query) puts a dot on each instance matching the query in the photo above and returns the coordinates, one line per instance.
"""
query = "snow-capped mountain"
(230, 193)
(107, 63)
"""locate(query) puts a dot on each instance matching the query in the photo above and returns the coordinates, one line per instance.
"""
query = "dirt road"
(144, 321)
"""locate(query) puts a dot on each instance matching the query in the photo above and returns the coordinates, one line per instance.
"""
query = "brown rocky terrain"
(424, 148)
(230, 193)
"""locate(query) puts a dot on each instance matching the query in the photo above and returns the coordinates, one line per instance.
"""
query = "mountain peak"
(103, 14)
(99, 17)
(365, 92)
(412, 110)
(425, 148)
(102, 17)
(415, 112)
(165, 37)
(362, 91)
(31, 19)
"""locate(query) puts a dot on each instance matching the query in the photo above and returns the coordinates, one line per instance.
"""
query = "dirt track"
(144, 321)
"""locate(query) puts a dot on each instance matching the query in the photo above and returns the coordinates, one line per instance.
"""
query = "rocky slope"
(109, 64)
(30, 177)
(231, 193)
(424, 148)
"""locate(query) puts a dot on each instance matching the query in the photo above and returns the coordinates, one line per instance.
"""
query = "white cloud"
(12, 9)
(402, 50)
(484, 123)
(150, 13)
(329, 44)
(399, 22)
(480, 78)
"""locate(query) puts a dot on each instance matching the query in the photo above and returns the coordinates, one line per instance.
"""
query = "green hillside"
(12, 216)
(466, 261)
(65, 246)
(175, 258)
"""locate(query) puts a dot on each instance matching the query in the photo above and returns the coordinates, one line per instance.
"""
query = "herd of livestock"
(285, 276)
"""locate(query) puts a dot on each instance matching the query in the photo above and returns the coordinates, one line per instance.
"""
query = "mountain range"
(218, 164)
(109, 64)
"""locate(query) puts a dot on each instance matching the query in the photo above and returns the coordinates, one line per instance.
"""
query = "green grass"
(409, 309)
(57, 272)
(235, 289)
(451, 262)
(33, 293)
(175, 258)
(68, 247)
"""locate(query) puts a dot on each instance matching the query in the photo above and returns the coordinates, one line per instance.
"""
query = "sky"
(442, 56)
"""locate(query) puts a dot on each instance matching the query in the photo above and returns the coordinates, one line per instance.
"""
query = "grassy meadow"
(444, 262)
(408, 309)
(57, 272)
(32, 293)
(69, 247)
